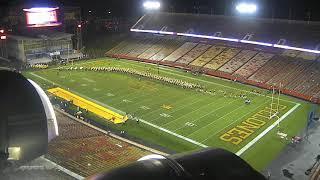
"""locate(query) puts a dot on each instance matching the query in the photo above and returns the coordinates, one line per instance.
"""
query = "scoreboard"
(42, 17)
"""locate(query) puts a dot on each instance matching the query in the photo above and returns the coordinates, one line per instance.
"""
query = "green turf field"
(181, 119)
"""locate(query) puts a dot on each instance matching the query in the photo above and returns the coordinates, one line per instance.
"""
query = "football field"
(180, 119)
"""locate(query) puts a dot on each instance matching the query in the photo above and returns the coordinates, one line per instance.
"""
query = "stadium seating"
(193, 54)
(153, 49)
(297, 33)
(87, 151)
(142, 47)
(222, 58)
(299, 75)
(117, 48)
(294, 68)
(239, 60)
(290, 53)
(308, 56)
(253, 65)
(207, 56)
(296, 71)
(271, 68)
(311, 84)
(169, 47)
(131, 45)
(186, 47)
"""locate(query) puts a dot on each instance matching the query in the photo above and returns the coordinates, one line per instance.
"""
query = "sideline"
(257, 138)
(239, 153)
(141, 120)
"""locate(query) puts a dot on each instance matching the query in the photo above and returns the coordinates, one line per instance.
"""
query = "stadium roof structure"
(40, 35)
(297, 34)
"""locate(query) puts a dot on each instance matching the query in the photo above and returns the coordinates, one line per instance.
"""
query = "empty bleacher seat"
(186, 47)
(222, 58)
(207, 56)
(193, 54)
(254, 64)
(239, 60)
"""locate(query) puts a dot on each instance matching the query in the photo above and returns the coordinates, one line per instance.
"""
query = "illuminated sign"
(42, 17)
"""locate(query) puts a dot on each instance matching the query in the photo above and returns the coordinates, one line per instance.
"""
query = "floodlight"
(151, 5)
(246, 8)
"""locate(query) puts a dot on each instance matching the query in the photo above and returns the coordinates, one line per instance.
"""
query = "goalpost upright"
(274, 107)
(271, 105)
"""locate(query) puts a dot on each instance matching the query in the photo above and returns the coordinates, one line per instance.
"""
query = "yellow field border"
(88, 105)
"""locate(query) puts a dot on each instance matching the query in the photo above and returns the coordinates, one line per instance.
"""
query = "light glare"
(40, 9)
(151, 156)
(246, 8)
(151, 5)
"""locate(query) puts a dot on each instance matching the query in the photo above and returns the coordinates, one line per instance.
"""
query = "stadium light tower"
(246, 8)
(152, 5)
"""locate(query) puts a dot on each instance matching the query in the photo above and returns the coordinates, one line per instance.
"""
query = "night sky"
(293, 9)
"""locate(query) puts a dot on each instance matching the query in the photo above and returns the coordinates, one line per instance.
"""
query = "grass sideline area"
(194, 119)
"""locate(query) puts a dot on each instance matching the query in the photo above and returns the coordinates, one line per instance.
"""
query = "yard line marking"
(217, 119)
(178, 109)
(234, 121)
(119, 111)
(162, 102)
(89, 80)
(206, 115)
(80, 94)
(239, 153)
(174, 134)
(193, 110)
(175, 73)
(133, 93)
(257, 138)
(115, 92)
(157, 95)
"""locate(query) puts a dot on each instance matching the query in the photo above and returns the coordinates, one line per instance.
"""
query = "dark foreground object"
(213, 164)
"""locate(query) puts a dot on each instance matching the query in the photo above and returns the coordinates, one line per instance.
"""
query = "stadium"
(183, 82)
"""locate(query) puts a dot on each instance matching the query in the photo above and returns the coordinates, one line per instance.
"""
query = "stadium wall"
(225, 76)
